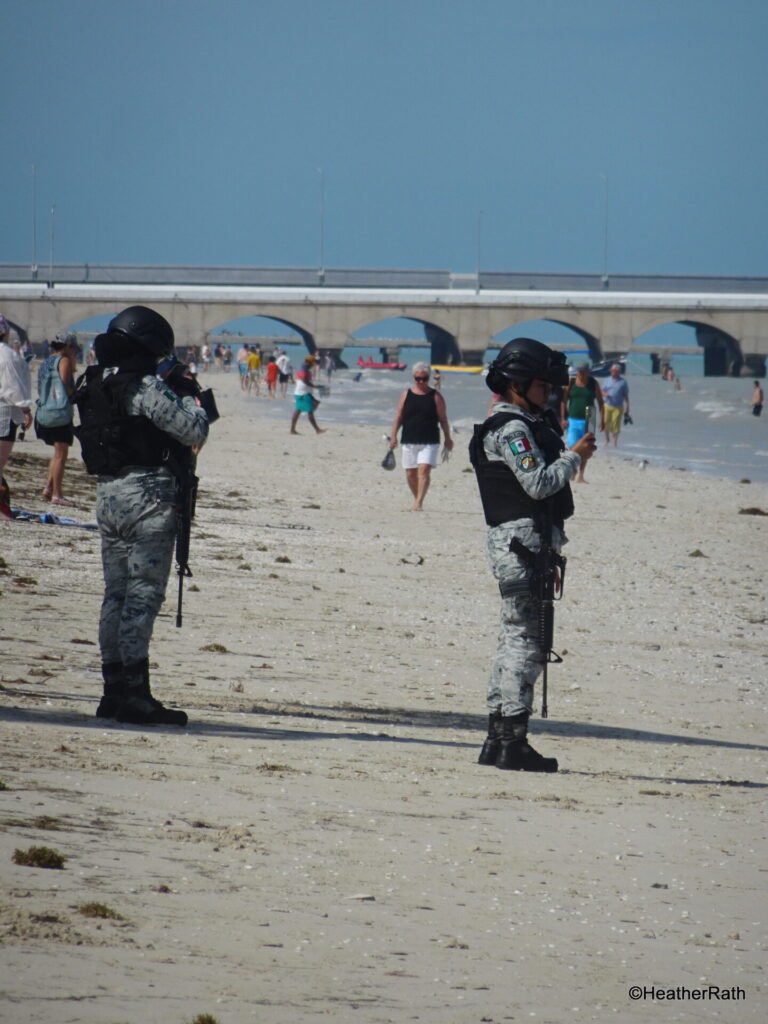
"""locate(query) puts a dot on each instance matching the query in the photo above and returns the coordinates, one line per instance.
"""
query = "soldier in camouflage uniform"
(136, 434)
(523, 475)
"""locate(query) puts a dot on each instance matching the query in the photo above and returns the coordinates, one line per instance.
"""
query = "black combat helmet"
(146, 327)
(524, 359)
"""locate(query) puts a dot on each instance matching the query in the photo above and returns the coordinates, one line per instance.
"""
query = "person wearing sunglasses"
(421, 413)
(523, 473)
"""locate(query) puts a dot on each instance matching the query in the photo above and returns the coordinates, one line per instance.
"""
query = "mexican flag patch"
(520, 445)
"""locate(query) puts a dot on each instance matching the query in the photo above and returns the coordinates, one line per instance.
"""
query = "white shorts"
(414, 455)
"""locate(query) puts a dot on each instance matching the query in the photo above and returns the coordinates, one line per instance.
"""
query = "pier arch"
(559, 334)
(258, 325)
(722, 350)
(442, 342)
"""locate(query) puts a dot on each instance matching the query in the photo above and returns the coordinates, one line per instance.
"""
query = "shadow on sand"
(247, 726)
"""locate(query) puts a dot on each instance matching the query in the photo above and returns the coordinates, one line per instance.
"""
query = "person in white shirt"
(283, 373)
(15, 405)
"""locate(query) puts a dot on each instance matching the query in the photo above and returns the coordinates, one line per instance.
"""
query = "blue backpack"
(54, 408)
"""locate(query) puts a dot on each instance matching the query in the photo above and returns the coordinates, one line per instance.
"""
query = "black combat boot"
(114, 689)
(515, 752)
(138, 706)
(490, 750)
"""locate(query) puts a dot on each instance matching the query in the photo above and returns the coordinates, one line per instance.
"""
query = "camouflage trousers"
(517, 661)
(136, 514)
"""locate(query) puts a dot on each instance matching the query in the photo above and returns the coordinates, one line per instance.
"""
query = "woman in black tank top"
(419, 418)
(421, 414)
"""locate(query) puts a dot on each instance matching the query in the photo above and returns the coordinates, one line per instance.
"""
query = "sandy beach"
(319, 843)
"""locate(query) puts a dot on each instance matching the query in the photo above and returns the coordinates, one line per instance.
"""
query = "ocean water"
(707, 427)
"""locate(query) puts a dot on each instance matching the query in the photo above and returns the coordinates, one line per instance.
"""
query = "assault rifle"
(186, 486)
(547, 578)
(181, 381)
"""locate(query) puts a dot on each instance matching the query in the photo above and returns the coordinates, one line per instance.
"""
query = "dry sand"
(320, 843)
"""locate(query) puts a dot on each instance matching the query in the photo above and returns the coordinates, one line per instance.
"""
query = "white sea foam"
(716, 410)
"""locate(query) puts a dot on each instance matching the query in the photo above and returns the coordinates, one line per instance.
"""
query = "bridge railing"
(254, 277)
(341, 277)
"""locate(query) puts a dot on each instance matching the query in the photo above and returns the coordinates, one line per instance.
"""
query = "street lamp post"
(50, 259)
(479, 248)
(34, 222)
(321, 274)
(605, 229)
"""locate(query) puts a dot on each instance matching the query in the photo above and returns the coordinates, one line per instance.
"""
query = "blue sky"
(193, 131)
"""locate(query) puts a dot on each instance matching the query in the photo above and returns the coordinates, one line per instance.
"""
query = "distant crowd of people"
(256, 367)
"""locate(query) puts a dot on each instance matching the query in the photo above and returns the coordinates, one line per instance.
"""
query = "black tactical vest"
(503, 496)
(111, 439)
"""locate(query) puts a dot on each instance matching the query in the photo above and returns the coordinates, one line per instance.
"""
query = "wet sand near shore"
(320, 843)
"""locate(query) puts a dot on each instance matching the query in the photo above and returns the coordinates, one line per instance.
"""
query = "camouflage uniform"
(518, 659)
(136, 513)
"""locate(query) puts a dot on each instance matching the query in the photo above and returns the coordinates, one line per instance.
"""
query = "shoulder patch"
(526, 463)
(519, 443)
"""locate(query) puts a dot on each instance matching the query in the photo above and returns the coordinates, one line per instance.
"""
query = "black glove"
(180, 380)
(178, 377)
(183, 383)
